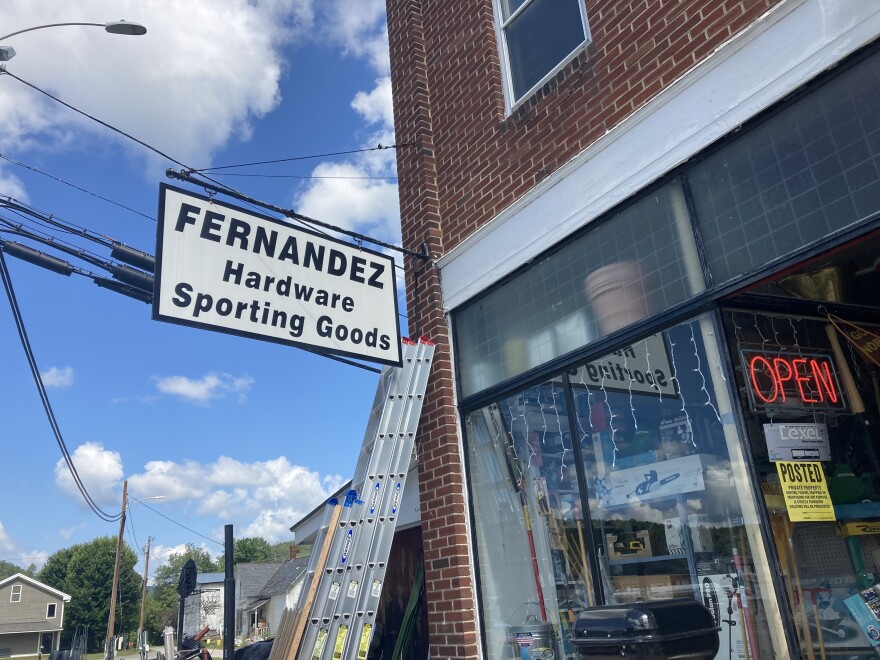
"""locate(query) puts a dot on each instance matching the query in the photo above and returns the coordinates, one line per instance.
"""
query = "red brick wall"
(471, 161)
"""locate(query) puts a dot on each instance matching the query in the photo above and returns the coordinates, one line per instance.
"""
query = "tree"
(7, 568)
(256, 550)
(252, 550)
(85, 571)
(162, 602)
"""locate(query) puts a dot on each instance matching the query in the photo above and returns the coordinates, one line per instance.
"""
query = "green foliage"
(85, 571)
(7, 568)
(252, 550)
(281, 551)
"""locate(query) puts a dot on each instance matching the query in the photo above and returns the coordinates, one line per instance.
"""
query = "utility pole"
(111, 621)
(141, 638)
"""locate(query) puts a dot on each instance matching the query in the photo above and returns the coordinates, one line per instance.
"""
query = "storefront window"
(804, 173)
(530, 537)
(811, 396)
(636, 263)
(664, 509)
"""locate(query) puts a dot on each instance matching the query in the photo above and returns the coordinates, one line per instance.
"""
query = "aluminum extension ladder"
(336, 614)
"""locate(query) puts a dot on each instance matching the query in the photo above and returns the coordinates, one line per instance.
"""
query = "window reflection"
(663, 508)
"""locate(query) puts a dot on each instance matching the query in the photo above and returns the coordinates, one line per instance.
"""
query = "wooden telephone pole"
(111, 621)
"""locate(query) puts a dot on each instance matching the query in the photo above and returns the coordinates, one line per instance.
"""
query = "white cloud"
(99, 469)
(212, 67)
(10, 184)
(35, 557)
(23, 558)
(6, 543)
(369, 205)
(160, 554)
(360, 28)
(67, 533)
(203, 390)
(58, 377)
(264, 497)
(375, 106)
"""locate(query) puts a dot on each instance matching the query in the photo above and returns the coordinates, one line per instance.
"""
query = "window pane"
(635, 264)
(672, 513)
(541, 37)
(811, 169)
(534, 573)
(823, 423)
(510, 6)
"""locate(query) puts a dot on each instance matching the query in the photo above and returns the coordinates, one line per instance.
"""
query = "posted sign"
(223, 268)
(805, 491)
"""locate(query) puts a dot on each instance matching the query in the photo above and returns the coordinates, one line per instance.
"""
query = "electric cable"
(130, 524)
(68, 459)
(191, 531)
(47, 239)
(186, 175)
(305, 176)
(101, 122)
(216, 185)
(93, 118)
(378, 147)
(74, 186)
(131, 276)
(15, 205)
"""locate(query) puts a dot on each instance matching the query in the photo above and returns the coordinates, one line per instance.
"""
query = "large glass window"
(811, 398)
(661, 507)
(636, 263)
(811, 169)
(537, 37)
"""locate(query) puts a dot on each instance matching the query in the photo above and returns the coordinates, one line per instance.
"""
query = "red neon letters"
(775, 377)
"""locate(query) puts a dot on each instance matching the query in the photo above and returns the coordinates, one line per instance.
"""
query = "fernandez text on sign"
(227, 269)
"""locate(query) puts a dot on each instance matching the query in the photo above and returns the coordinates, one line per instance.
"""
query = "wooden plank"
(313, 587)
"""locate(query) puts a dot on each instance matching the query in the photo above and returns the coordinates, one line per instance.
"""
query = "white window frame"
(53, 608)
(510, 102)
(15, 594)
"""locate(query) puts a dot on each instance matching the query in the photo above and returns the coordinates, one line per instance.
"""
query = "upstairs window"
(537, 38)
(50, 610)
(15, 597)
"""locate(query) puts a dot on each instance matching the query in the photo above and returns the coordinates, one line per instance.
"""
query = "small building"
(250, 578)
(31, 616)
(204, 607)
(263, 615)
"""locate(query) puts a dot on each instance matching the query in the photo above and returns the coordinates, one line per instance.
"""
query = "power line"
(216, 185)
(305, 176)
(378, 147)
(32, 363)
(74, 186)
(186, 175)
(192, 531)
(130, 523)
(93, 118)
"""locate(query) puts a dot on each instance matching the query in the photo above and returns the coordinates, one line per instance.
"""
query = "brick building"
(653, 229)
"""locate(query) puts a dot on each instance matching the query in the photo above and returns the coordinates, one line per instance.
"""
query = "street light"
(113, 27)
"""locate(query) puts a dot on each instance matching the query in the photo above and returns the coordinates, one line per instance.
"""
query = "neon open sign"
(792, 381)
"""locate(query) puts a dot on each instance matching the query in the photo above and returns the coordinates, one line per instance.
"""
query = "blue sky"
(225, 429)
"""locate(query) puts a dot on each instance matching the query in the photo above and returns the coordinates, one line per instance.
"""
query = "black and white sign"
(797, 442)
(230, 270)
(643, 367)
